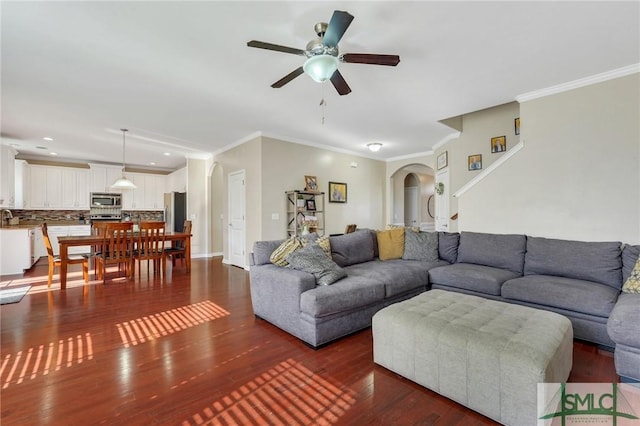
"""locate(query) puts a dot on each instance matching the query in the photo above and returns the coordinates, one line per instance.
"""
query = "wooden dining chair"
(116, 248)
(350, 228)
(178, 250)
(150, 247)
(55, 261)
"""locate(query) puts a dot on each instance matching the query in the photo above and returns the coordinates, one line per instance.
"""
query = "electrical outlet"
(68, 216)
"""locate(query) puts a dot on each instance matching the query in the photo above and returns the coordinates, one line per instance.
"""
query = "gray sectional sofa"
(581, 280)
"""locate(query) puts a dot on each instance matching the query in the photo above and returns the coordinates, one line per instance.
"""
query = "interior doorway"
(236, 191)
(412, 186)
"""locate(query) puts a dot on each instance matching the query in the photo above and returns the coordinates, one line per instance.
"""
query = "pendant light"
(123, 182)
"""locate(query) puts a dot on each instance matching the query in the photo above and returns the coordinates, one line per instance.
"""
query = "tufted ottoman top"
(484, 354)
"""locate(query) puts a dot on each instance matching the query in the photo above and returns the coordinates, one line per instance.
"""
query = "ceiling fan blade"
(276, 47)
(339, 23)
(287, 78)
(366, 58)
(340, 84)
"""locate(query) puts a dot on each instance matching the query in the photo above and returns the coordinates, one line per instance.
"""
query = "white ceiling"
(180, 76)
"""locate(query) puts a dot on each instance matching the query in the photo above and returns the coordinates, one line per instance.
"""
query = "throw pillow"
(413, 228)
(312, 259)
(279, 255)
(421, 246)
(390, 244)
(325, 245)
(632, 285)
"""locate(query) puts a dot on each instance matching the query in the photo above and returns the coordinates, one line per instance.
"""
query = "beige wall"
(578, 174)
(197, 205)
(273, 166)
(477, 130)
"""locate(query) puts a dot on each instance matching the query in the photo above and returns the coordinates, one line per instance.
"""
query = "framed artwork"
(310, 183)
(311, 205)
(475, 162)
(516, 125)
(443, 160)
(337, 192)
(498, 144)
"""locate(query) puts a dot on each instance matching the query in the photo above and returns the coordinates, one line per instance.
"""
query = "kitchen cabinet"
(7, 176)
(102, 177)
(75, 188)
(45, 187)
(40, 250)
(17, 248)
(22, 180)
(149, 192)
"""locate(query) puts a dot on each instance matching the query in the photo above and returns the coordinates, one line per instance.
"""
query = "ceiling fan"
(323, 56)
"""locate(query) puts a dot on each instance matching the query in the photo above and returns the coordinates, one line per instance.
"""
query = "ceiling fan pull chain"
(323, 104)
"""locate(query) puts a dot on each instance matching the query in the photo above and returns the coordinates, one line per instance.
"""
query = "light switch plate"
(275, 216)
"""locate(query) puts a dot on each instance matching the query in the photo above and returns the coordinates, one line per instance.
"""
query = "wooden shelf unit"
(299, 209)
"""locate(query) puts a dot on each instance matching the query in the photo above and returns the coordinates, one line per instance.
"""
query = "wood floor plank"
(187, 350)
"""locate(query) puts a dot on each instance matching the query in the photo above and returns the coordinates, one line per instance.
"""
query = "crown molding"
(587, 81)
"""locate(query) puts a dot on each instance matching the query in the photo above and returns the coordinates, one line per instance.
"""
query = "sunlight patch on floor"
(151, 327)
(40, 361)
(287, 394)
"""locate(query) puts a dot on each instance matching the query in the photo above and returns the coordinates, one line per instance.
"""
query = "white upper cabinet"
(7, 176)
(149, 192)
(45, 187)
(103, 176)
(75, 188)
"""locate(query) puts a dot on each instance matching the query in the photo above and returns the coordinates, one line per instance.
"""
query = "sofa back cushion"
(352, 248)
(599, 262)
(630, 256)
(262, 251)
(448, 246)
(505, 251)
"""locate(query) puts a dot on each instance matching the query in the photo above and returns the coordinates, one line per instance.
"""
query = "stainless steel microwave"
(101, 199)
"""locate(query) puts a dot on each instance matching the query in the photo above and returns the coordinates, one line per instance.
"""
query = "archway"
(412, 179)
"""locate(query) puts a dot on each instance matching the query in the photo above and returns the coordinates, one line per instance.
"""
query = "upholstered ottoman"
(484, 354)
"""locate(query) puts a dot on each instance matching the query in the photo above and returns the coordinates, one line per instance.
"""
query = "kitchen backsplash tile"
(66, 215)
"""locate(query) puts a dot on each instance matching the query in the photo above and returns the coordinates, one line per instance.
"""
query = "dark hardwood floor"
(188, 350)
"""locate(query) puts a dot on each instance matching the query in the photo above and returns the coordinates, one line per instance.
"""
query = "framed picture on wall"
(498, 144)
(516, 125)
(311, 183)
(475, 162)
(443, 160)
(337, 192)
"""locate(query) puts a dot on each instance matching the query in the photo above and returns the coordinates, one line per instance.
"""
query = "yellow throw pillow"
(632, 285)
(279, 255)
(390, 244)
(325, 245)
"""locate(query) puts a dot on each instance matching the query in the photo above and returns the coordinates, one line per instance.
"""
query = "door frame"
(237, 260)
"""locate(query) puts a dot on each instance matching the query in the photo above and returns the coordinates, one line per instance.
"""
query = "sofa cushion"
(312, 259)
(391, 244)
(505, 251)
(352, 248)
(632, 284)
(582, 296)
(630, 255)
(448, 246)
(398, 276)
(350, 293)
(622, 325)
(467, 276)
(599, 262)
(420, 246)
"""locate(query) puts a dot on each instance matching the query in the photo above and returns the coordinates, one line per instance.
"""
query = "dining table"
(92, 240)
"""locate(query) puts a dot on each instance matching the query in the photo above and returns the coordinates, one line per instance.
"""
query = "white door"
(236, 218)
(442, 202)
(411, 206)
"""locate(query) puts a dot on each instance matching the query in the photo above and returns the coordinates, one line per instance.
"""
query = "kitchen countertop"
(27, 224)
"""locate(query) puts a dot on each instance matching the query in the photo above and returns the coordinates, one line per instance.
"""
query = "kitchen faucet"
(2, 215)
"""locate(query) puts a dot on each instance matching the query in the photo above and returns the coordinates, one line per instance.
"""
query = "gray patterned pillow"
(420, 246)
(312, 259)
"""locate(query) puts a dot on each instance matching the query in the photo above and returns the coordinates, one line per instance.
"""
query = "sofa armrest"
(623, 321)
(275, 291)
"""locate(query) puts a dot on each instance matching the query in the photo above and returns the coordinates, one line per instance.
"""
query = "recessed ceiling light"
(41, 147)
(53, 153)
(47, 139)
(152, 163)
(167, 154)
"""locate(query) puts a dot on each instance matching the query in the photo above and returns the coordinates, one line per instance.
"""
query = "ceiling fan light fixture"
(123, 182)
(320, 67)
(374, 146)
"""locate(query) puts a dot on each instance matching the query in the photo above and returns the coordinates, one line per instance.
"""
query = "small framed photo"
(337, 192)
(498, 144)
(516, 125)
(443, 160)
(311, 205)
(310, 183)
(475, 162)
